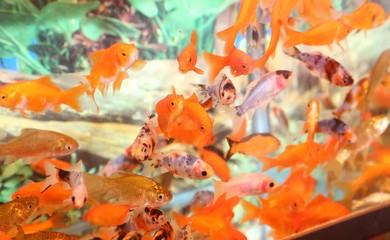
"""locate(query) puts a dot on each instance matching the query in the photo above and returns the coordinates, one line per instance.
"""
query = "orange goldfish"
(245, 16)
(216, 161)
(39, 95)
(353, 97)
(39, 167)
(323, 66)
(4, 236)
(110, 65)
(56, 221)
(322, 34)
(108, 214)
(368, 15)
(281, 11)
(240, 63)
(312, 114)
(34, 144)
(188, 57)
(303, 185)
(54, 198)
(256, 144)
(316, 12)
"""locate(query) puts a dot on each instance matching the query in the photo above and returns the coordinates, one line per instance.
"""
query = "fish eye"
(172, 104)
(29, 206)
(3, 97)
(204, 173)
(271, 184)
(243, 66)
(73, 199)
(147, 209)
(223, 94)
(154, 219)
(124, 54)
(85, 199)
(160, 196)
(68, 147)
(189, 59)
(201, 127)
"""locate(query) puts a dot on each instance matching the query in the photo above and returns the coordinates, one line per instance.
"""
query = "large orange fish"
(39, 95)
(368, 15)
(188, 57)
(245, 16)
(108, 214)
(110, 65)
(316, 12)
(240, 63)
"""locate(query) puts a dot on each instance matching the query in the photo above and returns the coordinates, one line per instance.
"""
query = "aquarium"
(169, 119)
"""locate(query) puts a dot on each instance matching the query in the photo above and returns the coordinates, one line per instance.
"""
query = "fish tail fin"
(229, 37)
(51, 176)
(96, 186)
(71, 97)
(218, 189)
(194, 38)
(268, 163)
(231, 151)
(293, 37)
(198, 71)
(215, 63)
(251, 211)
(292, 52)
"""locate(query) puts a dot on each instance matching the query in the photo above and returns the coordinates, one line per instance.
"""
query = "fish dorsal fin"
(27, 131)
(122, 174)
(193, 98)
(194, 38)
(96, 56)
(46, 80)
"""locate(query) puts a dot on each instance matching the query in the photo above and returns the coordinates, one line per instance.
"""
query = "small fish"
(127, 188)
(221, 93)
(260, 92)
(35, 144)
(188, 57)
(39, 95)
(146, 140)
(108, 214)
(325, 33)
(245, 16)
(143, 220)
(312, 114)
(16, 212)
(336, 127)
(323, 66)
(255, 144)
(39, 167)
(240, 63)
(369, 15)
(73, 176)
(183, 164)
(54, 198)
(245, 184)
(353, 97)
(49, 236)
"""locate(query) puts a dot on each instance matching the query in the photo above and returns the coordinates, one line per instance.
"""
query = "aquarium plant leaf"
(146, 7)
(94, 27)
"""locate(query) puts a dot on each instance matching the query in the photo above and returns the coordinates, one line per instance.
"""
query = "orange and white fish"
(143, 220)
(39, 95)
(261, 91)
(323, 66)
(188, 58)
(73, 176)
(35, 144)
(110, 65)
(240, 63)
(245, 16)
(245, 184)
(369, 15)
(39, 167)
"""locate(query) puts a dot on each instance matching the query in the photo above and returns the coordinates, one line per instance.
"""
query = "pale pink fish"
(183, 165)
(73, 176)
(246, 184)
(260, 92)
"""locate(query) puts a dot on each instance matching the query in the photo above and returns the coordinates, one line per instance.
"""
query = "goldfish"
(240, 63)
(216, 161)
(39, 95)
(245, 16)
(39, 167)
(49, 236)
(336, 127)
(184, 165)
(146, 140)
(110, 65)
(316, 12)
(128, 188)
(108, 214)
(255, 144)
(245, 184)
(35, 144)
(353, 97)
(143, 220)
(312, 114)
(73, 176)
(303, 185)
(188, 57)
(325, 33)
(4, 236)
(261, 91)
(16, 212)
(56, 221)
(221, 93)
(369, 15)
(281, 11)
(323, 66)
(53, 199)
